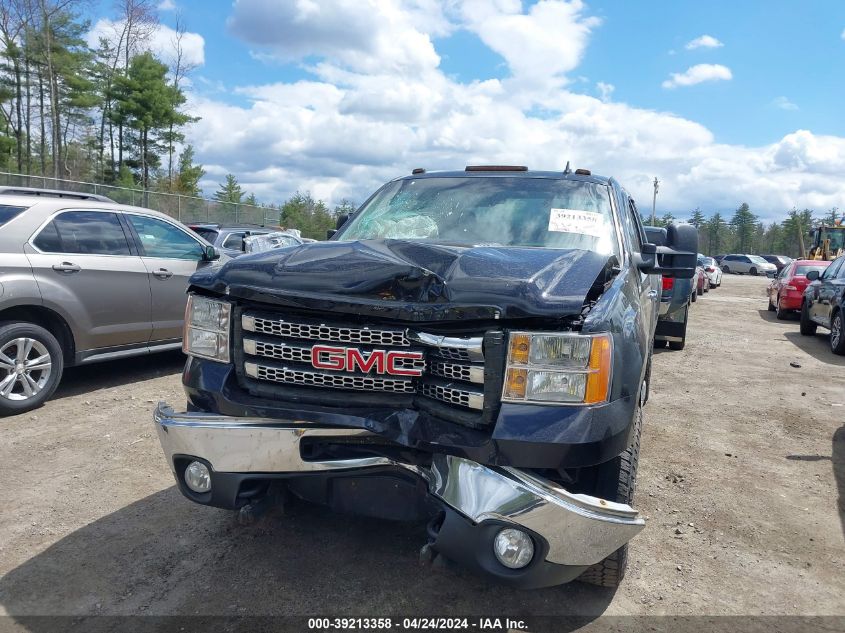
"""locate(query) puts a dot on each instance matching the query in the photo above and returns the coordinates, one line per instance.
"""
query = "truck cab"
(470, 349)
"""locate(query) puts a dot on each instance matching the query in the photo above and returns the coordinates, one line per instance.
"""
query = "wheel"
(699, 290)
(771, 306)
(780, 313)
(694, 296)
(31, 363)
(621, 472)
(753, 271)
(726, 269)
(837, 336)
(808, 327)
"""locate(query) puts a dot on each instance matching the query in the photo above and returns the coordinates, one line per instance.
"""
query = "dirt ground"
(742, 475)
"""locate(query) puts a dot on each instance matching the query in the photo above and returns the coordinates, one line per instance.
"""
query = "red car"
(787, 289)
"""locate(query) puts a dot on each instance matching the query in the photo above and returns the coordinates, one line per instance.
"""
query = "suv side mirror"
(812, 275)
(210, 254)
(672, 252)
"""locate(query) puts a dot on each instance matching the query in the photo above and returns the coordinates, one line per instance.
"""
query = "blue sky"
(592, 74)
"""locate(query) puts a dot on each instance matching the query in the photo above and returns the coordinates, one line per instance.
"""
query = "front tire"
(837, 335)
(753, 271)
(726, 270)
(808, 327)
(31, 364)
(619, 473)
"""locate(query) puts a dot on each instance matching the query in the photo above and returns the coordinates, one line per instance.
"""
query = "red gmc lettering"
(325, 357)
(351, 358)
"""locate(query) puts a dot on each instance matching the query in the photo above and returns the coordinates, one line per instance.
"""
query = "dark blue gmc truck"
(471, 349)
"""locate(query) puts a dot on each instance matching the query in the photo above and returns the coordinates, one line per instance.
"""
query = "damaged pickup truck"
(471, 349)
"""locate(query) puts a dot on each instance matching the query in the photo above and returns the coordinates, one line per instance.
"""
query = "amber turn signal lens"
(520, 347)
(516, 383)
(598, 379)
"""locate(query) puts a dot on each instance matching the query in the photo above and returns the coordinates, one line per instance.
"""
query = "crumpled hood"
(412, 280)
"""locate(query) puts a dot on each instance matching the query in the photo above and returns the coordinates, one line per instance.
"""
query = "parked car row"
(816, 290)
(84, 279)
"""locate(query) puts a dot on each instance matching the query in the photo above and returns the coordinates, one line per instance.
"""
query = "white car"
(747, 264)
(712, 270)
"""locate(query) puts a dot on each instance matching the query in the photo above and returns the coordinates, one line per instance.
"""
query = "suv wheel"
(726, 269)
(808, 327)
(837, 336)
(31, 363)
(753, 271)
(617, 480)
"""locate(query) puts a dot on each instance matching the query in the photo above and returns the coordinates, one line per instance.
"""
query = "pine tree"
(716, 230)
(230, 191)
(744, 223)
(697, 219)
(188, 175)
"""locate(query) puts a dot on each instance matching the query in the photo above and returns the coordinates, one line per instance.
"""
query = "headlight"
(207, 328)
(565, 367)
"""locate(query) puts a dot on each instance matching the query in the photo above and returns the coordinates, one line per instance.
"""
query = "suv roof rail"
(52, 193)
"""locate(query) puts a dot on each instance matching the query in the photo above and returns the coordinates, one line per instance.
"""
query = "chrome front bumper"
(579, 529)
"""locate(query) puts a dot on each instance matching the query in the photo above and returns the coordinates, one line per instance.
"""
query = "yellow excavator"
(827, 241)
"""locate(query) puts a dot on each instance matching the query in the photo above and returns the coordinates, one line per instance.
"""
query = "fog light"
(197, 477)
(514, 548)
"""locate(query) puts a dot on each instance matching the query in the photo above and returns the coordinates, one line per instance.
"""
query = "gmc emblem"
(350, 358)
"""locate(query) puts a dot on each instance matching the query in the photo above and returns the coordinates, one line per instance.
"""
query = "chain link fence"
(183, 208)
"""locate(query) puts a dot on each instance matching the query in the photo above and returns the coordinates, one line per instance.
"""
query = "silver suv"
(747, 264)
(84, 279)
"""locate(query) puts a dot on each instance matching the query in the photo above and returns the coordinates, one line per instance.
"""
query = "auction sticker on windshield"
(574, 221)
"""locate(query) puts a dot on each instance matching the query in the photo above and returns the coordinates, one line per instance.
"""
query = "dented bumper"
(572, 530)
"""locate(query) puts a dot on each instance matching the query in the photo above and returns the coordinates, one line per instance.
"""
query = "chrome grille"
(278, 350)
(321, 379)
(457, 371)
(322, 332)
(460, 397)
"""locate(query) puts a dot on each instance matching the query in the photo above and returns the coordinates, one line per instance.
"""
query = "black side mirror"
(210, 254)
(672, 252)
(330, 233)
(341, 220)
(812, 275)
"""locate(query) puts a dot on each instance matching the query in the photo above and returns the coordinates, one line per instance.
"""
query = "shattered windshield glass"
(540, 212)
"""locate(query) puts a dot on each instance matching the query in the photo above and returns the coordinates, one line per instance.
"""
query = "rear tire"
(31, 367)
(753, 271)
(808, 327)
(780, 313)
(771, 307)
(694, 296)
(726, 270)
(620, 471)
(837, 334)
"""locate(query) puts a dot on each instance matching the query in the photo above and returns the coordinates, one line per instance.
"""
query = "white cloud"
(698, 74)
(166, 5)
(161, 42)
(703, 41)
(364, 116)
(605, 90)
(783, 103)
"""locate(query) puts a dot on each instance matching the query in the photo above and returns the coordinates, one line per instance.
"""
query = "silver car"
(84, 279)
(747, 264)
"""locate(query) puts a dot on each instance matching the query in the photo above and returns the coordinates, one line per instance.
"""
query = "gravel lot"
(742, 478)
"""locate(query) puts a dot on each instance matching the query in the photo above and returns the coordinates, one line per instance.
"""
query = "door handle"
(67, 268)
(163, 273)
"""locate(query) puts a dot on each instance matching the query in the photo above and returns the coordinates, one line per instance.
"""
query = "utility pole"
(654, 202)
